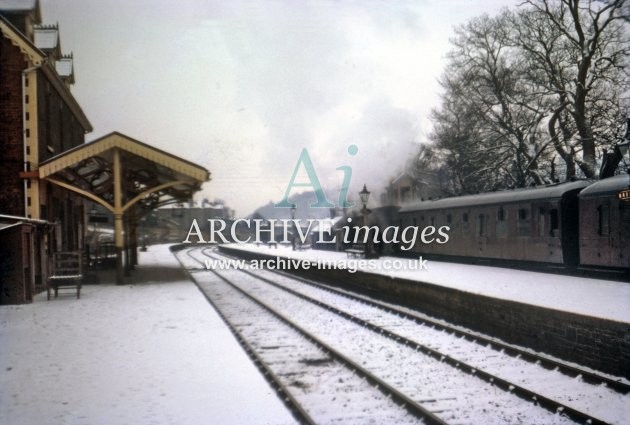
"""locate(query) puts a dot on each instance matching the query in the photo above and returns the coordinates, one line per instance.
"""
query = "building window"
(405, 194)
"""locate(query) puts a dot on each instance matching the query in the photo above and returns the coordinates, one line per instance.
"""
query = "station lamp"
(365, 196)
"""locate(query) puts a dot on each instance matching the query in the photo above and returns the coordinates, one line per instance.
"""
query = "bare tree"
(488, 94)
(525, 87)
(576, 52)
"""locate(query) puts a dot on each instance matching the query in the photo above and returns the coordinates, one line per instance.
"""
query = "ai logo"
(322, 202)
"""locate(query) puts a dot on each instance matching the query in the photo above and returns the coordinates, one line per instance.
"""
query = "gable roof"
(18, 39)
(21, 7)
(39, 59)
(118, 140)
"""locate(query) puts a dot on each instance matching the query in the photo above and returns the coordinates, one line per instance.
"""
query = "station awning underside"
(124, 175)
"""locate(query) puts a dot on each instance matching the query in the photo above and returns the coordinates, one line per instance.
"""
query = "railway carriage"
(537, 225)
(605, 224)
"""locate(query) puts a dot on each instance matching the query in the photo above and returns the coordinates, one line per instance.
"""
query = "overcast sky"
(241, 87)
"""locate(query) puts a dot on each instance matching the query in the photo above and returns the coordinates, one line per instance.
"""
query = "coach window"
(604, 220)
(501, 223)
(449, 218)
(523, 224)
(465, 222)
(554, 228)
(481, 225)
(541, 222)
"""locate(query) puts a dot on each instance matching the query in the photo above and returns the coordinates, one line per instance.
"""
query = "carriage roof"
(553, 191)
(606, 187)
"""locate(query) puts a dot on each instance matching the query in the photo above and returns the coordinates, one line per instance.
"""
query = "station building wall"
(37, 121)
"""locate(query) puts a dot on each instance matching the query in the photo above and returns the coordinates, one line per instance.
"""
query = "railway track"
(472, 385)
(299, 365)
(588, 376)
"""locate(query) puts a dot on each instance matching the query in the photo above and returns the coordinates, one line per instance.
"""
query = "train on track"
(577, 225)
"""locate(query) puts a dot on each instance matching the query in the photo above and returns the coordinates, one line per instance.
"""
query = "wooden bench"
(357, 250)
(66, 272)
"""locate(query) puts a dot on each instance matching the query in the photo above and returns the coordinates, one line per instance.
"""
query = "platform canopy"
(126, 176)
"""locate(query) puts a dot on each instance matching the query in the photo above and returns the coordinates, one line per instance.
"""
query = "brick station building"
(39, 118)
(49, 175)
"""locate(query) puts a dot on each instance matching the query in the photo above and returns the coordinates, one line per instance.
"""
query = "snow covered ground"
(590, 297)
(152, 351)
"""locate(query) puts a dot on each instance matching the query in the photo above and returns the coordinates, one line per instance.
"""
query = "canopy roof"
(148, 177)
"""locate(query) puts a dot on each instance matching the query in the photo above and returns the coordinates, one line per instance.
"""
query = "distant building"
(39, 119)
(406, 188)
(172, 223)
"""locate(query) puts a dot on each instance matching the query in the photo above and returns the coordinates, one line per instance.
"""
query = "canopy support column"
(118, 217)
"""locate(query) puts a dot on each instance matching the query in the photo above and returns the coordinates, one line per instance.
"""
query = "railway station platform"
(578, 320)
(152, 351)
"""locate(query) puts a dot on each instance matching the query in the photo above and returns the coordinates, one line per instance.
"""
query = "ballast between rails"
(285, 395)
(548, 363)
(412, 407)
(520, 391)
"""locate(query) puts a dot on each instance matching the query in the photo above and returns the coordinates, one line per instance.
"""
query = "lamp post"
(365, 196)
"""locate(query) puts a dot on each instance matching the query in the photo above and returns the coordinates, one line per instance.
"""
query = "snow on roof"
(4, 226)
(400, 177)
(503, 197)
(17, 5)
(327, 224)
(15, 218)
(609, 186)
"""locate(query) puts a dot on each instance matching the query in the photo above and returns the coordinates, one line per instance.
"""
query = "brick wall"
(11, 138)
(600, 344)
(11, 267)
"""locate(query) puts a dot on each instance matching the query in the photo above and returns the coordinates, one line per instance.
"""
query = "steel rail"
(569, 370)
(284, 393)
(518, 390)
(412, 406)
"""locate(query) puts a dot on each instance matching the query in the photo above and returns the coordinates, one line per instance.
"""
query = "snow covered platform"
(152, 351)
(581, 320)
